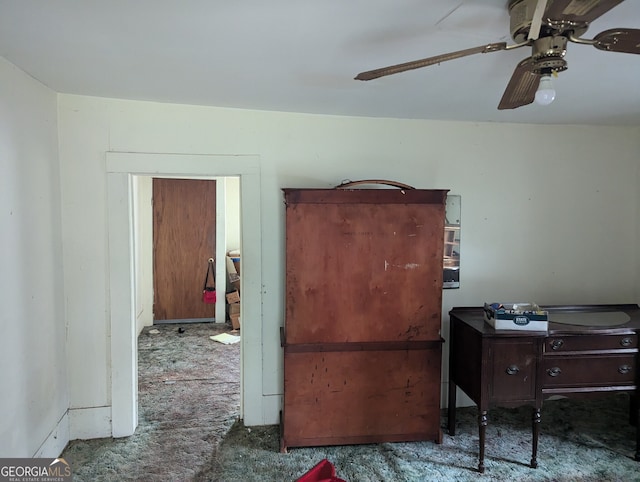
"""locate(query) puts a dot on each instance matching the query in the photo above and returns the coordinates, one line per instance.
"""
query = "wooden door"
(184, 238)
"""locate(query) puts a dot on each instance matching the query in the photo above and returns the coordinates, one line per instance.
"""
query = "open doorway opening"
(121, 169)
(186, 377)
(179, 225)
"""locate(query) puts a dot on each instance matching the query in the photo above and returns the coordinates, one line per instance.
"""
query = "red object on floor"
(324, 471)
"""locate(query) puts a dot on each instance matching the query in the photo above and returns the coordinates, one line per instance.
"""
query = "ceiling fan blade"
(521, 89)
(416, 64)
(625, 40)
(579, 10)
(536, 21)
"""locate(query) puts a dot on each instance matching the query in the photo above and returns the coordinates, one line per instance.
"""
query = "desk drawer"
(588, 371)
(558, 344)
(513, 368)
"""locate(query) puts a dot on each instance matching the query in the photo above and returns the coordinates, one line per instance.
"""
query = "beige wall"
(549, 213)
(33, 375)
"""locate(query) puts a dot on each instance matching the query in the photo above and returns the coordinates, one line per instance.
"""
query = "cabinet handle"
(512, 370)
(554, 372)
(557, 344)
(626, 341)
(624, 369)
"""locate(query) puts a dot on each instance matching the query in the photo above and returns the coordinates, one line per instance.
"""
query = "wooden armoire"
(361, 340)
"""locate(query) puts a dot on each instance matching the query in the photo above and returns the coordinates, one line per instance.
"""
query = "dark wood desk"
(499, 368)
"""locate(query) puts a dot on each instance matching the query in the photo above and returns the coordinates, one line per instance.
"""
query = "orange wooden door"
(184, 238)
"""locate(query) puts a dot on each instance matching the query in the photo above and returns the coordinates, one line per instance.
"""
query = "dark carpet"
(189, 430)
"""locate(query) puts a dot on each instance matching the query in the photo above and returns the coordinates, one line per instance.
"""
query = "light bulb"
(545, 93)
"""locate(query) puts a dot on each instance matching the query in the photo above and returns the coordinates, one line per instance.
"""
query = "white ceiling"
(302, 55)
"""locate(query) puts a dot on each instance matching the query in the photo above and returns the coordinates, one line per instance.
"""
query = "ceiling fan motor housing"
(548, 54)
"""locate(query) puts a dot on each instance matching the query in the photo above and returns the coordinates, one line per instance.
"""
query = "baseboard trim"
(57, 439)
(87, 423)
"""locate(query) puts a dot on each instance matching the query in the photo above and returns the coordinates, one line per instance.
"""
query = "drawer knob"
(512, 370)
(557, 344)
(624, 369)
(554, 372)
(626, 341)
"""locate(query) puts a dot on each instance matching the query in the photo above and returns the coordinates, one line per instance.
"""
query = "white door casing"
(120, 168)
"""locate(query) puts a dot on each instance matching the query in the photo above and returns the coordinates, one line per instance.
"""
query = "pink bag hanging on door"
(209, 290)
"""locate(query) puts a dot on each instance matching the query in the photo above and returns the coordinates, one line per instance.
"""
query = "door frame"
(121, 167)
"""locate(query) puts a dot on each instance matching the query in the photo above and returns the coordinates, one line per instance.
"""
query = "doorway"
(121, 168)
(183, 375)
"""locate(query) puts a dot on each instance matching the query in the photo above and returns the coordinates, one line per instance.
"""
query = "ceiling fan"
(546, 26)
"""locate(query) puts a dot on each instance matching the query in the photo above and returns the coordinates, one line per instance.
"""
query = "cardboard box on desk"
(235, 320)
(234, 276)
(233, 297)
(516, 316)
(234, 280)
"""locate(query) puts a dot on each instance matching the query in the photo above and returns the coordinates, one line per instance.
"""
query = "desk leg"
(451, 408)
(482, 426)
(536, 432)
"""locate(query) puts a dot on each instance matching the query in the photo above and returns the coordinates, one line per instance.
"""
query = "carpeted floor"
(189, 402)
(189, 397)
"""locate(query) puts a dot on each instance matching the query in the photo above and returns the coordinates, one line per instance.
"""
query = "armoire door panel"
(373, 394)
(349, 266)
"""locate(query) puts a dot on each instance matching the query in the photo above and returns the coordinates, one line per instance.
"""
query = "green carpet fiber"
(579, 441)
(189, 403)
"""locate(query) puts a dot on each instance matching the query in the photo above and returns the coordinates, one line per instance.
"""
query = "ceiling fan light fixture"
(545, 93)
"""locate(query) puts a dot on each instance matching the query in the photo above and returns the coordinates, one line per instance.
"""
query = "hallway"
(189, 397)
